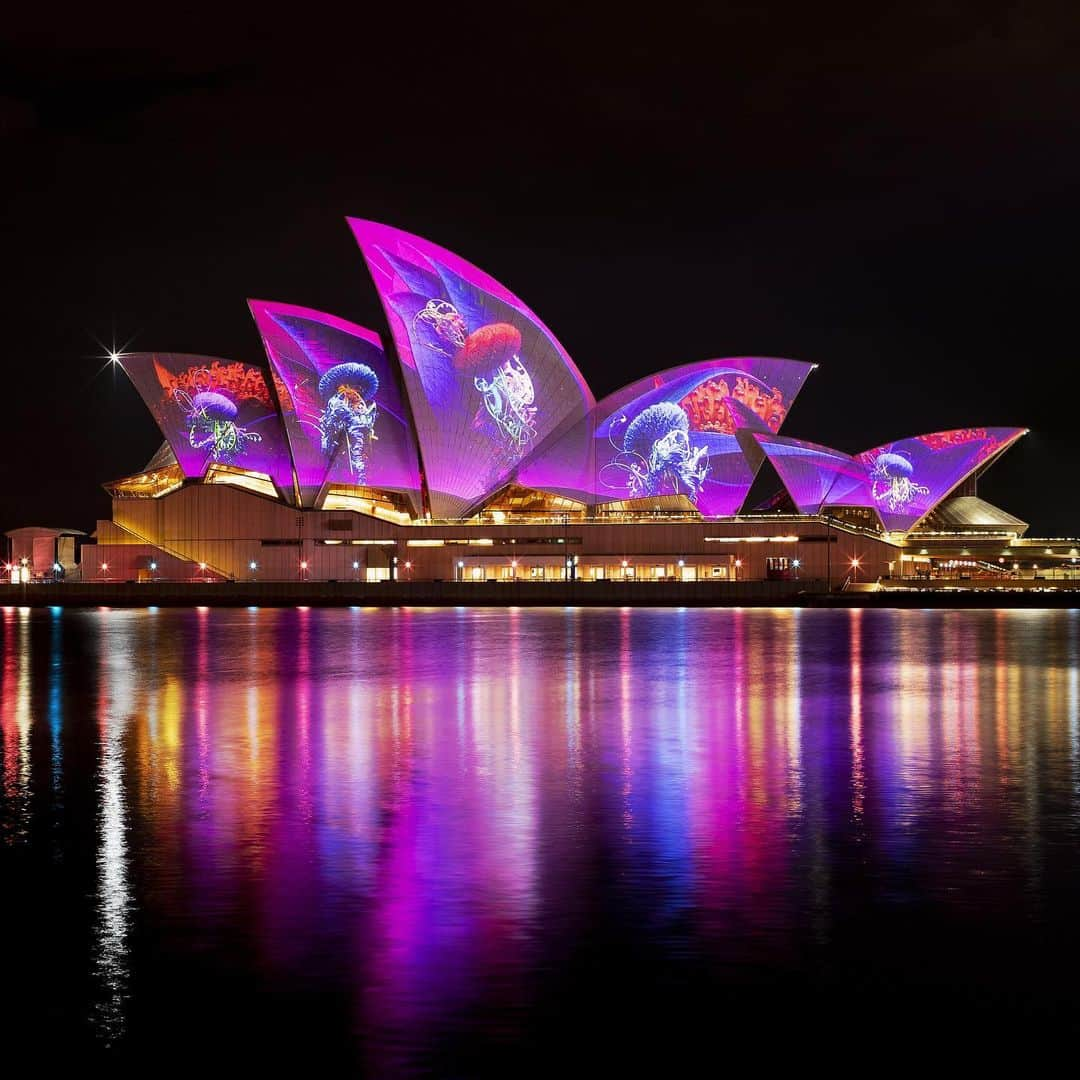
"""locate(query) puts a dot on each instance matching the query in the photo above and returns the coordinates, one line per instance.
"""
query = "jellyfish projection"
(491, 356)
(347, 423)
(891, 483)
(211, 422)
(446, 321)
(656, 457)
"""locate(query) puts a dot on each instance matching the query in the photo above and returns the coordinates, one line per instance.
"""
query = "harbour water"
(493, 842)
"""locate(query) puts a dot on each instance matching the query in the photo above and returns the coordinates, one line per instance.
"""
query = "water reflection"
(430, 818)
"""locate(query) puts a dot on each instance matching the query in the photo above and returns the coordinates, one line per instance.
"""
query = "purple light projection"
(810, 472)
(488, 383)
(212, 412)
(341, 401)
(908, 478)
(675, 433)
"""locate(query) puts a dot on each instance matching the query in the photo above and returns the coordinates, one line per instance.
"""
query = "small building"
(41, 551)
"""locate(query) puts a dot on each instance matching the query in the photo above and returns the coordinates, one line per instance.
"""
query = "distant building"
(38, 551)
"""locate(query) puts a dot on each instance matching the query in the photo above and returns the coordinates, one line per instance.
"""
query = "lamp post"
(303, 568)
(253, 566)
(796, 564)
(855, 567)
(356, 569)
(738, 567)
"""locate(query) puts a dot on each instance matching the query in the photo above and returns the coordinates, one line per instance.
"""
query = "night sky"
(893, 198)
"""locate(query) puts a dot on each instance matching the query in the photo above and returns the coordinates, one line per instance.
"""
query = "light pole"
(303, 568)
(795, 563)
(855, 567)
(738, 567)
(253, 566)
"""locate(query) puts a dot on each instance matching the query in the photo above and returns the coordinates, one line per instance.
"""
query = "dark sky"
(890, 196)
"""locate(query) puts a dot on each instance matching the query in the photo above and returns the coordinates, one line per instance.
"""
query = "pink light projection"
(488, 383)
(213, 412)
(810, 472)
(673, 433)
(341, 400)
(909, 477)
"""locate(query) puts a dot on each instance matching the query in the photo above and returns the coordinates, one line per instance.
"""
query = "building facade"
(466, 445)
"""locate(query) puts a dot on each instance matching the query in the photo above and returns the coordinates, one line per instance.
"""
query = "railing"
(199, 563)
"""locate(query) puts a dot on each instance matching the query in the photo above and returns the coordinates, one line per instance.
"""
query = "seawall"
(507, 594)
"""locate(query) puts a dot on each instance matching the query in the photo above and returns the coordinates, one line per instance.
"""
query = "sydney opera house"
(466, 445)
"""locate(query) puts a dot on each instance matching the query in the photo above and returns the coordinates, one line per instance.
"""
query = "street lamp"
(855, 567)
(796, 564)
(253, 566)
(738, 567)
(460, 570)
(303, 568)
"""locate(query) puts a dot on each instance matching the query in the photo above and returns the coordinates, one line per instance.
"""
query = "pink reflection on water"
(416, 812)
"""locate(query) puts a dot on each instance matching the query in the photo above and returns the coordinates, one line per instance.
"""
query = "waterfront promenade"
(808, 593)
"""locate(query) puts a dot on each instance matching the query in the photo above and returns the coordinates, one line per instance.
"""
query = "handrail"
(172, 551)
